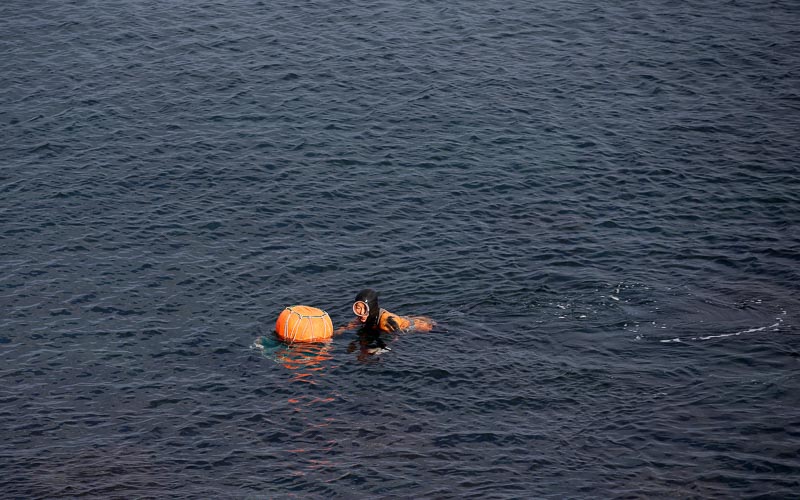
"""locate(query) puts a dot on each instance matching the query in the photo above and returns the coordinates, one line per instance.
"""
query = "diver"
(372, 321)
(370, 316)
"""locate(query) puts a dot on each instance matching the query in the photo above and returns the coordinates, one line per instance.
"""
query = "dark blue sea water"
(598, 202)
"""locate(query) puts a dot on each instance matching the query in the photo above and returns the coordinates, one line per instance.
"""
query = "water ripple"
(598, 205)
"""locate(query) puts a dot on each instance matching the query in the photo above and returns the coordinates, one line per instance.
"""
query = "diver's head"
(366, 306)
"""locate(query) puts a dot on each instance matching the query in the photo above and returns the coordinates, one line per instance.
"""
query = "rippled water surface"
(598, 203)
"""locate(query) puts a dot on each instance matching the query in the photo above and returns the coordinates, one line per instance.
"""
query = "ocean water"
(598, 203)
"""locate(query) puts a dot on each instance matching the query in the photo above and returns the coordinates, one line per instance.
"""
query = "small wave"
(773, 327)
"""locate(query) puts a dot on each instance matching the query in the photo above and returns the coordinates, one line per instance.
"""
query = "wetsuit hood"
(370, 297)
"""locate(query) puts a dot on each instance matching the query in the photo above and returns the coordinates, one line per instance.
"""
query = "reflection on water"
(308, 365)
(308, 361)
(368, 344)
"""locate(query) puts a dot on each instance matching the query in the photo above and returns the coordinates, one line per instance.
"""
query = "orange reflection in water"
(309, 364)
(309, 361)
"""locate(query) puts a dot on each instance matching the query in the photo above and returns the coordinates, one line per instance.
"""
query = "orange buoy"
(304, 324)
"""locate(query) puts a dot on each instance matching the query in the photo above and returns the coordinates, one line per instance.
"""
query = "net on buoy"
(304, 324)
